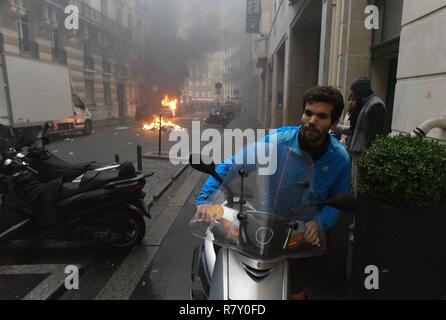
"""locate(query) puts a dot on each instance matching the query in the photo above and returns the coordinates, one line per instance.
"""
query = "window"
(24, 40)
(78, 102)
(89, 92)
(55, 44)
(390, 19)
(88, 59)
(119, 16)
(107, 93)
(104, 7)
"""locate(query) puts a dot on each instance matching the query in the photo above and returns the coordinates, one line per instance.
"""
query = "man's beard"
(313, 135)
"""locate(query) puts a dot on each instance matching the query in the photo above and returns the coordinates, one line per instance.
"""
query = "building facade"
(304, 43)
(105, 55)
(199, 87)
(421, 74)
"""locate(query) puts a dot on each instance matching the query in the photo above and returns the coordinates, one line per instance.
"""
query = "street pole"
(159, 141)
(139, 157)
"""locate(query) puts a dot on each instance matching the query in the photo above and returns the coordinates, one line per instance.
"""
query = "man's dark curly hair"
(327, 95)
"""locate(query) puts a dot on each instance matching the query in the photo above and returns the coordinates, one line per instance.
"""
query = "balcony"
(89, 63)
(60, 56)
(29, 49)
(95, 17)
(12, 8)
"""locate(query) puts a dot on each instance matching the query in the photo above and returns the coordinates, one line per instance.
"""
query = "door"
(121, 100)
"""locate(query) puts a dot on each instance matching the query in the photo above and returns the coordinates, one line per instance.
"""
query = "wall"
(422, 66)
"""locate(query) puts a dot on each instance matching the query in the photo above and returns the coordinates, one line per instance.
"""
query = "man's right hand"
(202, 213)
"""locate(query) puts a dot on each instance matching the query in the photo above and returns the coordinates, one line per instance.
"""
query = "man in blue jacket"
(323, 106)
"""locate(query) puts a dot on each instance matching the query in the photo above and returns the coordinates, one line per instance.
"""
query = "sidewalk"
(165, 173)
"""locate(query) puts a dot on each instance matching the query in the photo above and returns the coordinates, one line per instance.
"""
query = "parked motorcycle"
(256, 223)
(31, 144)
(101, 207)
(222, 116)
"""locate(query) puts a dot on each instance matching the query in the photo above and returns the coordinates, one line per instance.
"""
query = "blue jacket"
(332, 173)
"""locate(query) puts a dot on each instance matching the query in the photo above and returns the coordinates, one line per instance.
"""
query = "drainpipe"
(423, 130)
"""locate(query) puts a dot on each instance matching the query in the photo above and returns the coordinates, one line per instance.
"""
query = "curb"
(166, 186)
(163, 156)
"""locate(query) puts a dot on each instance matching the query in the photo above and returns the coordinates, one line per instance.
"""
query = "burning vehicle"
(158, 123)
(164, 120)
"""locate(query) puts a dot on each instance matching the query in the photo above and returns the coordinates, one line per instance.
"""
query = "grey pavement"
(27, 267)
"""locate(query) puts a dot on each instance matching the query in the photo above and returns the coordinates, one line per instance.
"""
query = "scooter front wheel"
(135, 234)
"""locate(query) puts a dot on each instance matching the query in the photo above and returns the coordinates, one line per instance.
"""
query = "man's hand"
(202, 213)
(312, 233)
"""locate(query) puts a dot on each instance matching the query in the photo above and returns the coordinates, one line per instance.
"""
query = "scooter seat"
(97, 179)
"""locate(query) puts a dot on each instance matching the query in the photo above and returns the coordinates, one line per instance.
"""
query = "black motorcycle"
(103, 207)
(31, 144)
(222, 116)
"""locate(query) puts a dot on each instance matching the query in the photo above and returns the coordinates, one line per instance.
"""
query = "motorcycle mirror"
(344, 202)
(202, 163)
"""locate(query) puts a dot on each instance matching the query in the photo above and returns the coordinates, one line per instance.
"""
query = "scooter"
(256, 222)
(221, 116)
(104, 207)
(32, 147)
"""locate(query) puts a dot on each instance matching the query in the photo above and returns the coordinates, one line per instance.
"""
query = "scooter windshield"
(262, 207)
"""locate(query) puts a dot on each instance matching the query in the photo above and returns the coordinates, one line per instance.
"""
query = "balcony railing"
(29, 48)
(96, 17)
(60, 56)
(89, 63)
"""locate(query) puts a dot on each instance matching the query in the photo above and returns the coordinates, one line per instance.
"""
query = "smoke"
(182, 31)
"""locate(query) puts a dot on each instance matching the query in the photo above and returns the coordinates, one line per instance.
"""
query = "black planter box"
(409, 248)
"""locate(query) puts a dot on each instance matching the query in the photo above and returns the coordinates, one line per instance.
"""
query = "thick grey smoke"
(184, 30)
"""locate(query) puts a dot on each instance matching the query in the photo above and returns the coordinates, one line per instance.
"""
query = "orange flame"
(170, 103)
(155, 125)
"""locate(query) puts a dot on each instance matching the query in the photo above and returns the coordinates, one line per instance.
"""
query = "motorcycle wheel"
(137, 233)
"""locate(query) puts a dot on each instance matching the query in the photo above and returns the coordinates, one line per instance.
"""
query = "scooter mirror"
(202, 163)
(344, 202)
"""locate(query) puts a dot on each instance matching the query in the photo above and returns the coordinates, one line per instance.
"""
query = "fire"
(170, 103)
(165, 125)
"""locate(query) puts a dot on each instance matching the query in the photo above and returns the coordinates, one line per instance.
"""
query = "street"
(36, 270)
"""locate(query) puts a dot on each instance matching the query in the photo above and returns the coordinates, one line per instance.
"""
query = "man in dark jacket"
(371, 120)
(370, 123)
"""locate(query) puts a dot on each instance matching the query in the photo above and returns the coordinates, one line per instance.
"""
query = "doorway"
(121, 100)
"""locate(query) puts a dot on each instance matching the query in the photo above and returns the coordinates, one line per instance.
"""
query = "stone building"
(105, 56)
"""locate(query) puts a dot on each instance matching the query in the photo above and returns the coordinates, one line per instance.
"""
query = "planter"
(408, 247)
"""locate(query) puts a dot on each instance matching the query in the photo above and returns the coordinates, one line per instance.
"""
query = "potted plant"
(401, 228)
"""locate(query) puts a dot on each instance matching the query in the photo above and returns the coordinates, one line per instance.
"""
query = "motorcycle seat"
(97, 179)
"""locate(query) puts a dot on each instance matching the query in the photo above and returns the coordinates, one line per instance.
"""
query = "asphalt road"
(36, 269)
(159, 269)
